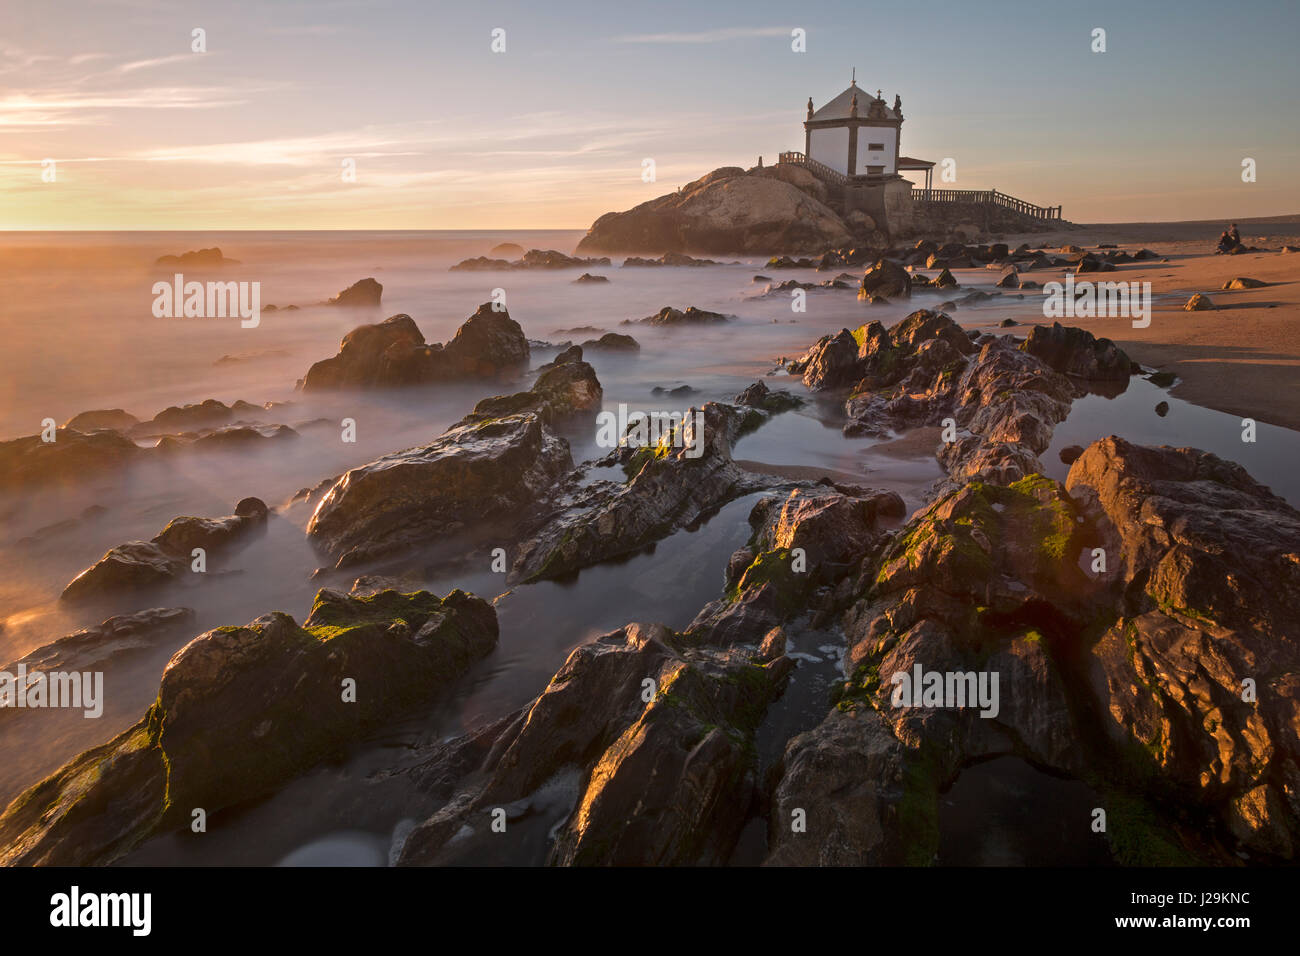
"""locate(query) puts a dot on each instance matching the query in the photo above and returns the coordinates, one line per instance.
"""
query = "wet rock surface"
(393, 353)
(243, 709)
(167, 557)
(726, 211)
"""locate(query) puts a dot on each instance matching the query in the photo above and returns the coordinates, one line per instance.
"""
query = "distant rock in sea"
(393, 353)
(113, 418)
(506, 249)
(588, 279)
(136, 565)
(669, 259)
(364, 293)
(670, 316)
(532, 259)
(612, 342)
(199, 258)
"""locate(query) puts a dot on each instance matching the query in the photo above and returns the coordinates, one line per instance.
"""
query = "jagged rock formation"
(241, 710)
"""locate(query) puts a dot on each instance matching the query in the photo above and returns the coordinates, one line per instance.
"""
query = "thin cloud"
(705, 36)
(158, 61)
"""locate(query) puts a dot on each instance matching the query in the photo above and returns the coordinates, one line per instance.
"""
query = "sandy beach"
(1243, 357)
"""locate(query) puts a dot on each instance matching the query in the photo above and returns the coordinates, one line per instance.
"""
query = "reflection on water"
(80, 335)
(1270, 459)
(1004, 812)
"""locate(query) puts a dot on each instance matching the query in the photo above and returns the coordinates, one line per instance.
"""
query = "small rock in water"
(1162, 409)
(1070, 454)
(1162, 379)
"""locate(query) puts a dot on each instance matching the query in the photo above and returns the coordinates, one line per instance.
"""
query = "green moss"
(645, 453)
(330, 617)
(859, 690)
(773, 568)
(918, 809)
(1138, 837)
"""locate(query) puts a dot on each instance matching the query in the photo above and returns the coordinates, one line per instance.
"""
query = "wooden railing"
(825, 173)
(820, 170)
(988, 196)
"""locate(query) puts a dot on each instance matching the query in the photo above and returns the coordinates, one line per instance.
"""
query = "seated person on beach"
(1229, 239)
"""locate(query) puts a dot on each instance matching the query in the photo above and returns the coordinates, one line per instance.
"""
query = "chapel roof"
(838, 108)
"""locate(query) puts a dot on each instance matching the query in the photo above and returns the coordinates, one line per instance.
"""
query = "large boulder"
(138, 565)
(73, 456)
(364, 293)
(565, 388)
(1198, 677)
(241, 710)
(674, 481)
(726, 211)
(1077, 352)
(668, 316)
(664, 782)
(114, 419)
(475, 472)
(886, 278)
(393, 353)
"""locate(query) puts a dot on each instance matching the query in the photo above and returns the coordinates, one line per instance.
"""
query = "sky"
(444, 133)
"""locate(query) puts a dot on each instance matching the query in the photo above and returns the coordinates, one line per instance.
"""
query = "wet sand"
(1243, 357)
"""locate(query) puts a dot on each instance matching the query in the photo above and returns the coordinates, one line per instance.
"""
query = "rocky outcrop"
(362, 294)
(180, 419)
(672, 317)
(1199, 303)
(114, 419)
(726, 211)
(612, 342)
(197, 259)
(232, 437)
(139, 565)
(532, 259)
(1198, 676)
(393, 353)
(91, 648)
(687, 473)
(241, 710)
(1008, 403)
(963, 588)
(470, 475)
(806, 539)
(900, 377)
(491, 464)
(565, 388)
(872, 357)
(1243, 282)
(1167, 681)
(1077, 352)
(668, 259)
(661, 733)
(72, 457)
(759, 395)
(886, 278)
